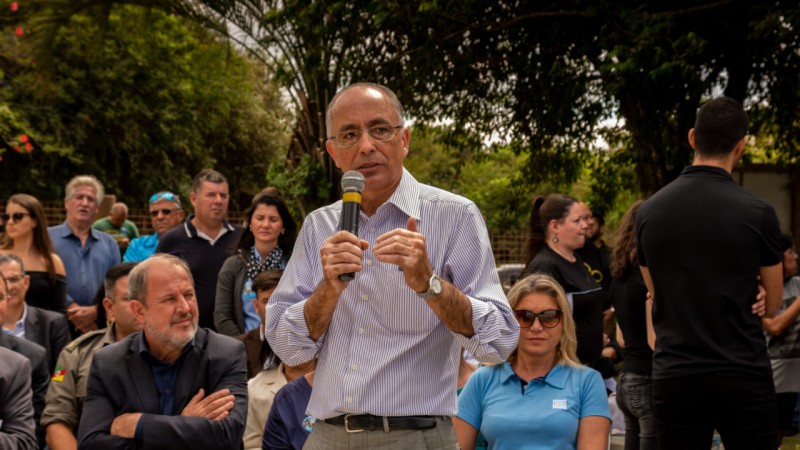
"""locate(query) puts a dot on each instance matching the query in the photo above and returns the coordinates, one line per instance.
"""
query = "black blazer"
(40, 377)
(120, 381)
(48, 329)
(15, 402)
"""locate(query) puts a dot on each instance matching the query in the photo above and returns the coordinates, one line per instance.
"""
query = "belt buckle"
(347, 424)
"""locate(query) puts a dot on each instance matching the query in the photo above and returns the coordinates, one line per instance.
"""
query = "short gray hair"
(6, 258)
(395, 102)
(137, 279)
(85, 180)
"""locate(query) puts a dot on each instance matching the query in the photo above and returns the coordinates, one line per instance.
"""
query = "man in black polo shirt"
(703, 241)
(205, 240)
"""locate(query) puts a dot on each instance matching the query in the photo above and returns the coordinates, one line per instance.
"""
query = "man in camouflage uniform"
(67, 392)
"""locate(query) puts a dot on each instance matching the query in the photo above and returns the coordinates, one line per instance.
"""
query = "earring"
(283, 231)
(555, 239)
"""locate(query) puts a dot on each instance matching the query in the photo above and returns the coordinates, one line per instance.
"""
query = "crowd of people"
(213, 335)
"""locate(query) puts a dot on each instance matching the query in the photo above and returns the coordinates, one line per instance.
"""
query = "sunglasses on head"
(549, 318)
(162, 196)
(16, 217)
(165, 211)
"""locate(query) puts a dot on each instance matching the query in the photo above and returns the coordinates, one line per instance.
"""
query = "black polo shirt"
(703, 238)
(205, 259)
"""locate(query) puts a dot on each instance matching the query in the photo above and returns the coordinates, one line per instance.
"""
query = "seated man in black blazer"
(38, 362)
(172, 385)
(46, 328)
(16, 404)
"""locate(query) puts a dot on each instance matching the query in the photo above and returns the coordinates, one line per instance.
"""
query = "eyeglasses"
(165, 211)
(350, 138)
(16, 217)
(14, 280)
(549, 318)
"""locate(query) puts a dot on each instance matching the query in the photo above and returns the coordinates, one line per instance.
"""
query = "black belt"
(355, 423)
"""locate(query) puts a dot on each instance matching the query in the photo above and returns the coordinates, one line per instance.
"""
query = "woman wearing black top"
(629, 296)
(558, 228)
(26, 236)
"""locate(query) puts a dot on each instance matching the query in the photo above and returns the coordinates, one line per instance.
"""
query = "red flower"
(20, 31)
(16, 148)
(14, 6)
(28, 147)
(23, 137)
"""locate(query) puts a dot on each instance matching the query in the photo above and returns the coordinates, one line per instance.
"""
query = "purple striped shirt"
(386, 352)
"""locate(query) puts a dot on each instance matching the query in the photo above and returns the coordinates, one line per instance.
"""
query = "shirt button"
(354, 366)
(360, 331)
(349, 399)
(369, 262)
(371, 229)
(365, 297)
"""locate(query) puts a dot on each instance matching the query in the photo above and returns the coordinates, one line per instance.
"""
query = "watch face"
(436, 286)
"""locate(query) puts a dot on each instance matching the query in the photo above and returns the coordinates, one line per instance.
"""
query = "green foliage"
(144, 108)
(490, 178)
(294, 186)
(539, 79)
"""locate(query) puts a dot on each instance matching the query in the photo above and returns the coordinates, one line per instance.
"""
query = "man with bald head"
(172, 385)
(117, 225)
(425, 285)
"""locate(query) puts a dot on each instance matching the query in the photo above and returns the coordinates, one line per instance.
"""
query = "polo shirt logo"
(560, 404)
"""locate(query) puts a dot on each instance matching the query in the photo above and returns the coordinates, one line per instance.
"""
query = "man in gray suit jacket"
(172, 385)
(36, 356)
(46, 328)
(16, 407)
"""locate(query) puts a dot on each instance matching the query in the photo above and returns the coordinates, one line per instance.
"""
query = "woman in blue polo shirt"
(542, 397)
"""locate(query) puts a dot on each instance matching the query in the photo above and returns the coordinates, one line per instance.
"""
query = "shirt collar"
(19, 326)
(144, 351)
(191, 231)
(64, 231)
(708, 170)
(557, 377)
(406, 196)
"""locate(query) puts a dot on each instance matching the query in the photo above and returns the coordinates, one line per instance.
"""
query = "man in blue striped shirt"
(389, 341)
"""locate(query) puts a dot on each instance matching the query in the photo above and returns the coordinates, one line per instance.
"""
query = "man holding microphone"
(425, 285)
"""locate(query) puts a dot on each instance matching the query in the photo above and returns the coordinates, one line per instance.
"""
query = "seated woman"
(26, 236)
(266, 243)
(541, 397)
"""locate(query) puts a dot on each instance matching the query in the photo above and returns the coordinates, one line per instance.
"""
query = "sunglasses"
(16, 217)
(549, 318)
(162, 196)
(166, 211)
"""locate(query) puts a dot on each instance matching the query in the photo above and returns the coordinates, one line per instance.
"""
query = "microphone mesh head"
(352, 181)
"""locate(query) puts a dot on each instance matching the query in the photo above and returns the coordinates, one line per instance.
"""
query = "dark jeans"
(635, 400)
(740, 406)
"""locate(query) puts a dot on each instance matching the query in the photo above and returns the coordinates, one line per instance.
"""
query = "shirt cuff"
(138, 436)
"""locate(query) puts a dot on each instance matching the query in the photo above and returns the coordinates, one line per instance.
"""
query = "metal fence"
(508, 245)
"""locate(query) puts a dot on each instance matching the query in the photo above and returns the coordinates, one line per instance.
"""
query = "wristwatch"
(434, 288)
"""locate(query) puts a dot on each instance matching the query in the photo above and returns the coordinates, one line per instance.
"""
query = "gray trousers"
(326, 436)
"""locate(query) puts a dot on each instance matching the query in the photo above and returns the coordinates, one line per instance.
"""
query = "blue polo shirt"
(545, 416)
(141, 248)
(86, 265)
